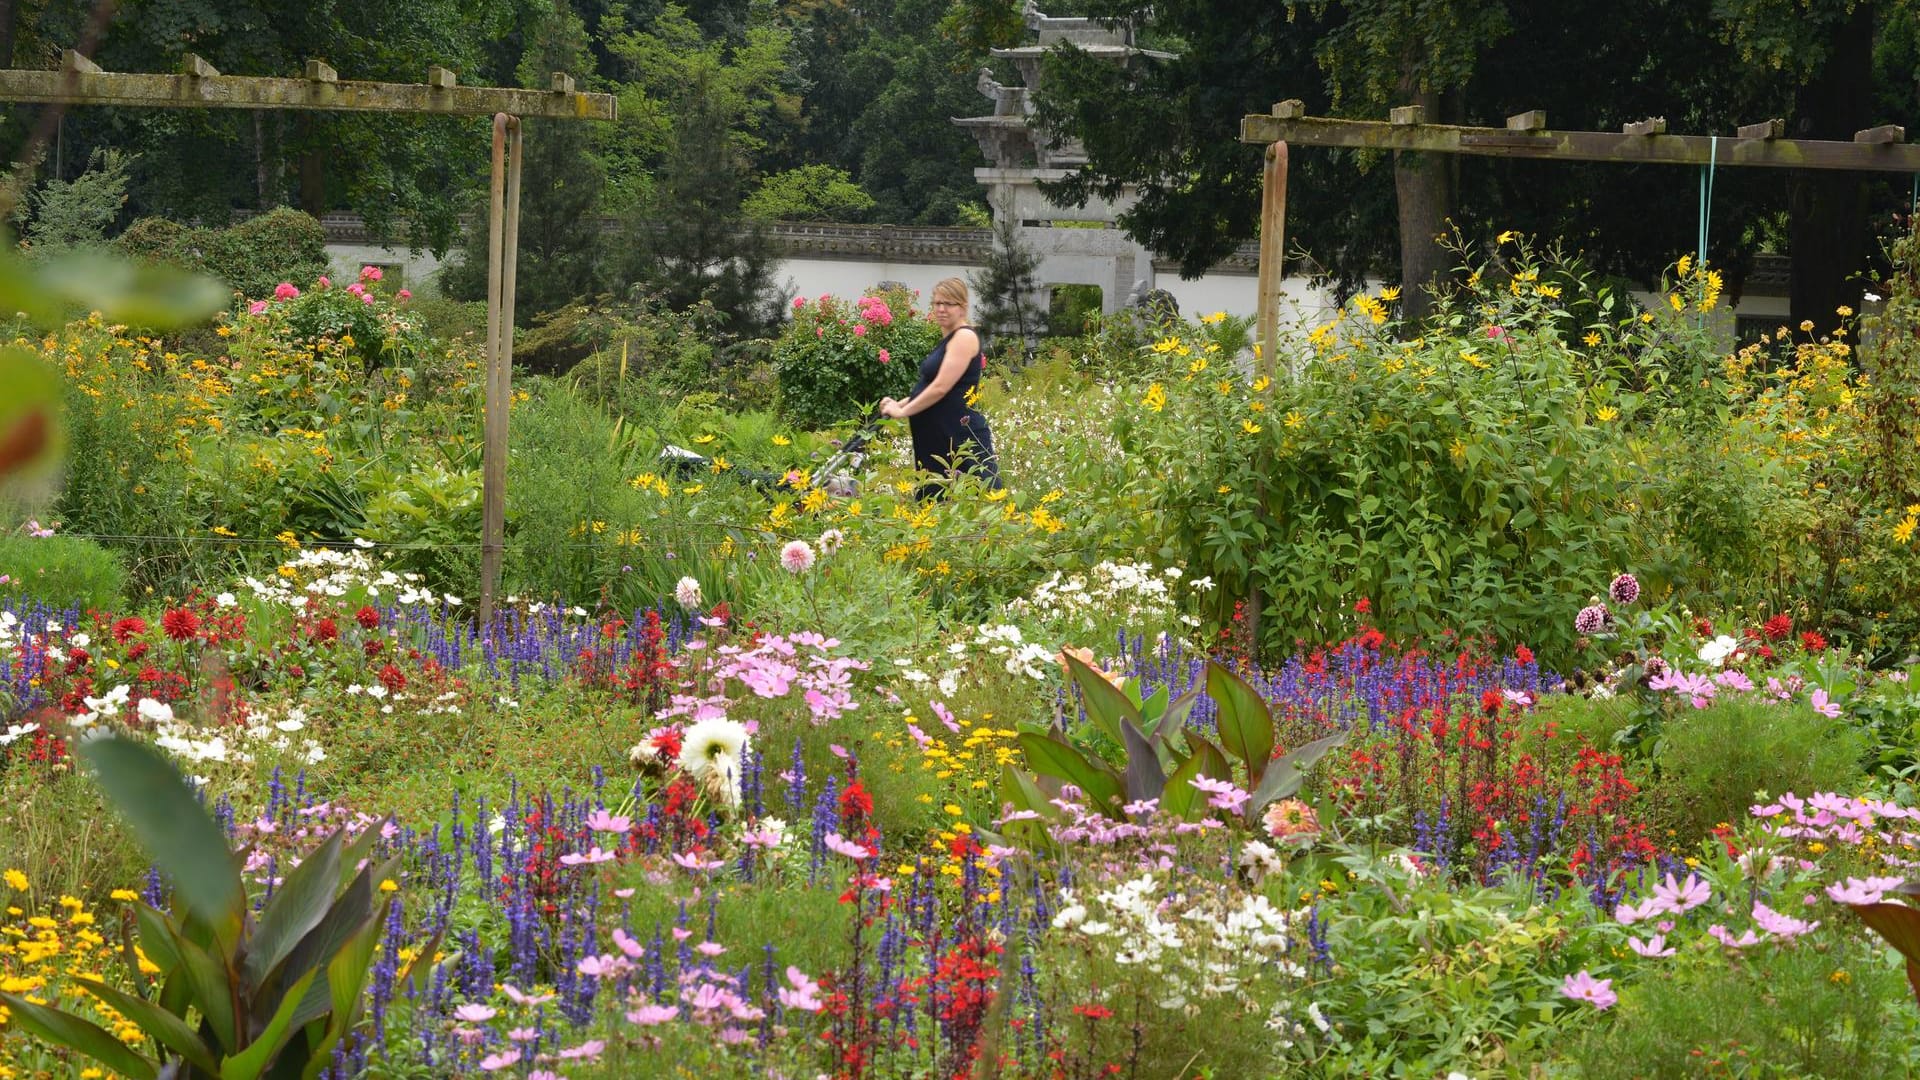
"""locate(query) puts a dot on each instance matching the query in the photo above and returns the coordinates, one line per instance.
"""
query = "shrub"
(252, 256)
(1474, 476)
(836, 358)
(1795, 1010)
(1713, 761)
(62, 572)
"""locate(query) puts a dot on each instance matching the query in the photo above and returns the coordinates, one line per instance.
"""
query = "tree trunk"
(1424, 187)
(1828, 210)
(262, 184)
(313, 169)
(9, 20)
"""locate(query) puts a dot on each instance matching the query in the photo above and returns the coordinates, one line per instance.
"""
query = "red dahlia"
(128, 628)
(180, 624)
(367, 617)
(1778, 628)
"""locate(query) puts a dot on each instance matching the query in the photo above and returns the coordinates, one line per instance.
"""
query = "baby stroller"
(837, 474)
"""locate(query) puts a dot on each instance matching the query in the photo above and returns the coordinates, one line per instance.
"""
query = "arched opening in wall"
(1070, 307)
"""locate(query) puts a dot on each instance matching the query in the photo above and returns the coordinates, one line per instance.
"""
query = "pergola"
(79, 81)
(1646, 142)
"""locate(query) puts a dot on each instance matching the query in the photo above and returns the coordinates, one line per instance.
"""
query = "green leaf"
(346, 976)
(156, 936)
(173, 828)
(1246, 727)
(1178, 795)
(1152, 708)
(81, 1036)
(148, 295)
(1106, 705)
(31, 435)
(317, 949)
(302, 900)
(251, 1062)
(1051, 755)
(1174, 719)
(162, 1026)
(1286, 774)
(208, 990)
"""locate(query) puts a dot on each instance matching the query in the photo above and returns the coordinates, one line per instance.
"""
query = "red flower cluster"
(1778, 628)
(1813, 642)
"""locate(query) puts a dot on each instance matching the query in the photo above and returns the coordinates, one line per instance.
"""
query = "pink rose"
(371, 273)
(885, 357)
(257, 307)
(356, 289)
(286, 290)
(405, 294)
(799, 302)
(860, 330)
(325, 282)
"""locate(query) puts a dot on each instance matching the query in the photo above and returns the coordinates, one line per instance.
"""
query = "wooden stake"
(493, 449)
(1273, 243)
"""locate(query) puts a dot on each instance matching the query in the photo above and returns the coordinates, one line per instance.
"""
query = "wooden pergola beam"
(1875, 150)
(80, 82)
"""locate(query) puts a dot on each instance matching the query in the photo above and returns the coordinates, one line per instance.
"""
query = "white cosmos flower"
(1715, 652)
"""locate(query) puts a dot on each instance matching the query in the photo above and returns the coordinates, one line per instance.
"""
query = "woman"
(949, 436)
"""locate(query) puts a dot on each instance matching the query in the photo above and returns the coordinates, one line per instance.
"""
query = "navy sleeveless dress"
(950, 436)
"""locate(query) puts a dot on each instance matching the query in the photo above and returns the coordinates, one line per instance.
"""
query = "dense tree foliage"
(843, 109)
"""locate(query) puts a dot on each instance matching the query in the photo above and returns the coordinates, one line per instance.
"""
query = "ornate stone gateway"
(1076, 246)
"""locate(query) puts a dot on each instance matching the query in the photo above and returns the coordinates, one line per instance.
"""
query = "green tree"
(194, 163)
(690, 241)
(80, 212)
(809, 193)
(562, 246)
(1007, 286)
(1825, 51)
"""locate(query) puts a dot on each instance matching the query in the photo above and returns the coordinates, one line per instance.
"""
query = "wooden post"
(1273, 243)
(493, 451)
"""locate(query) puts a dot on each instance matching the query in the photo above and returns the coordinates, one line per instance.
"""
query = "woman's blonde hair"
(951, 289)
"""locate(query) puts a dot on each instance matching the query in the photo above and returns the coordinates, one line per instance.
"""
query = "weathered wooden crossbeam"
(1875, 150)
(80, 82)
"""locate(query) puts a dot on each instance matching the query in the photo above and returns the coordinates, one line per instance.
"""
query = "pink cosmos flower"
(588, 858)
(598, 966)
(803, 995)
(586, 1051)
(518, 997)
(1678, 899)
(626, 944)
(523, 1034)
(544, 1074)
(797, 557)
(840, 845)
(624, 894)
(1821, 705)
(710, 948)
(286, 290)
(474, 1014)
(502, 1060)
(601, 821)
(1782, 926)
(1628, 914)
(1862, 890)
(695, 863)
(946, 716)
(1595, 992)
(1719, 933)
(1655, 946)
(649, 1015)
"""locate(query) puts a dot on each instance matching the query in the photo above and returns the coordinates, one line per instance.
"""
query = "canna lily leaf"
(1144, 778)
(1286, 774)
(302, 900)
(1900, 925)
(1246, 725)
(208, 990)
(82, 1036)
(160, 1025)
(1178, 796)
(1051, 755)
(174, 828)
(250, 1063)
(1106, 704)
